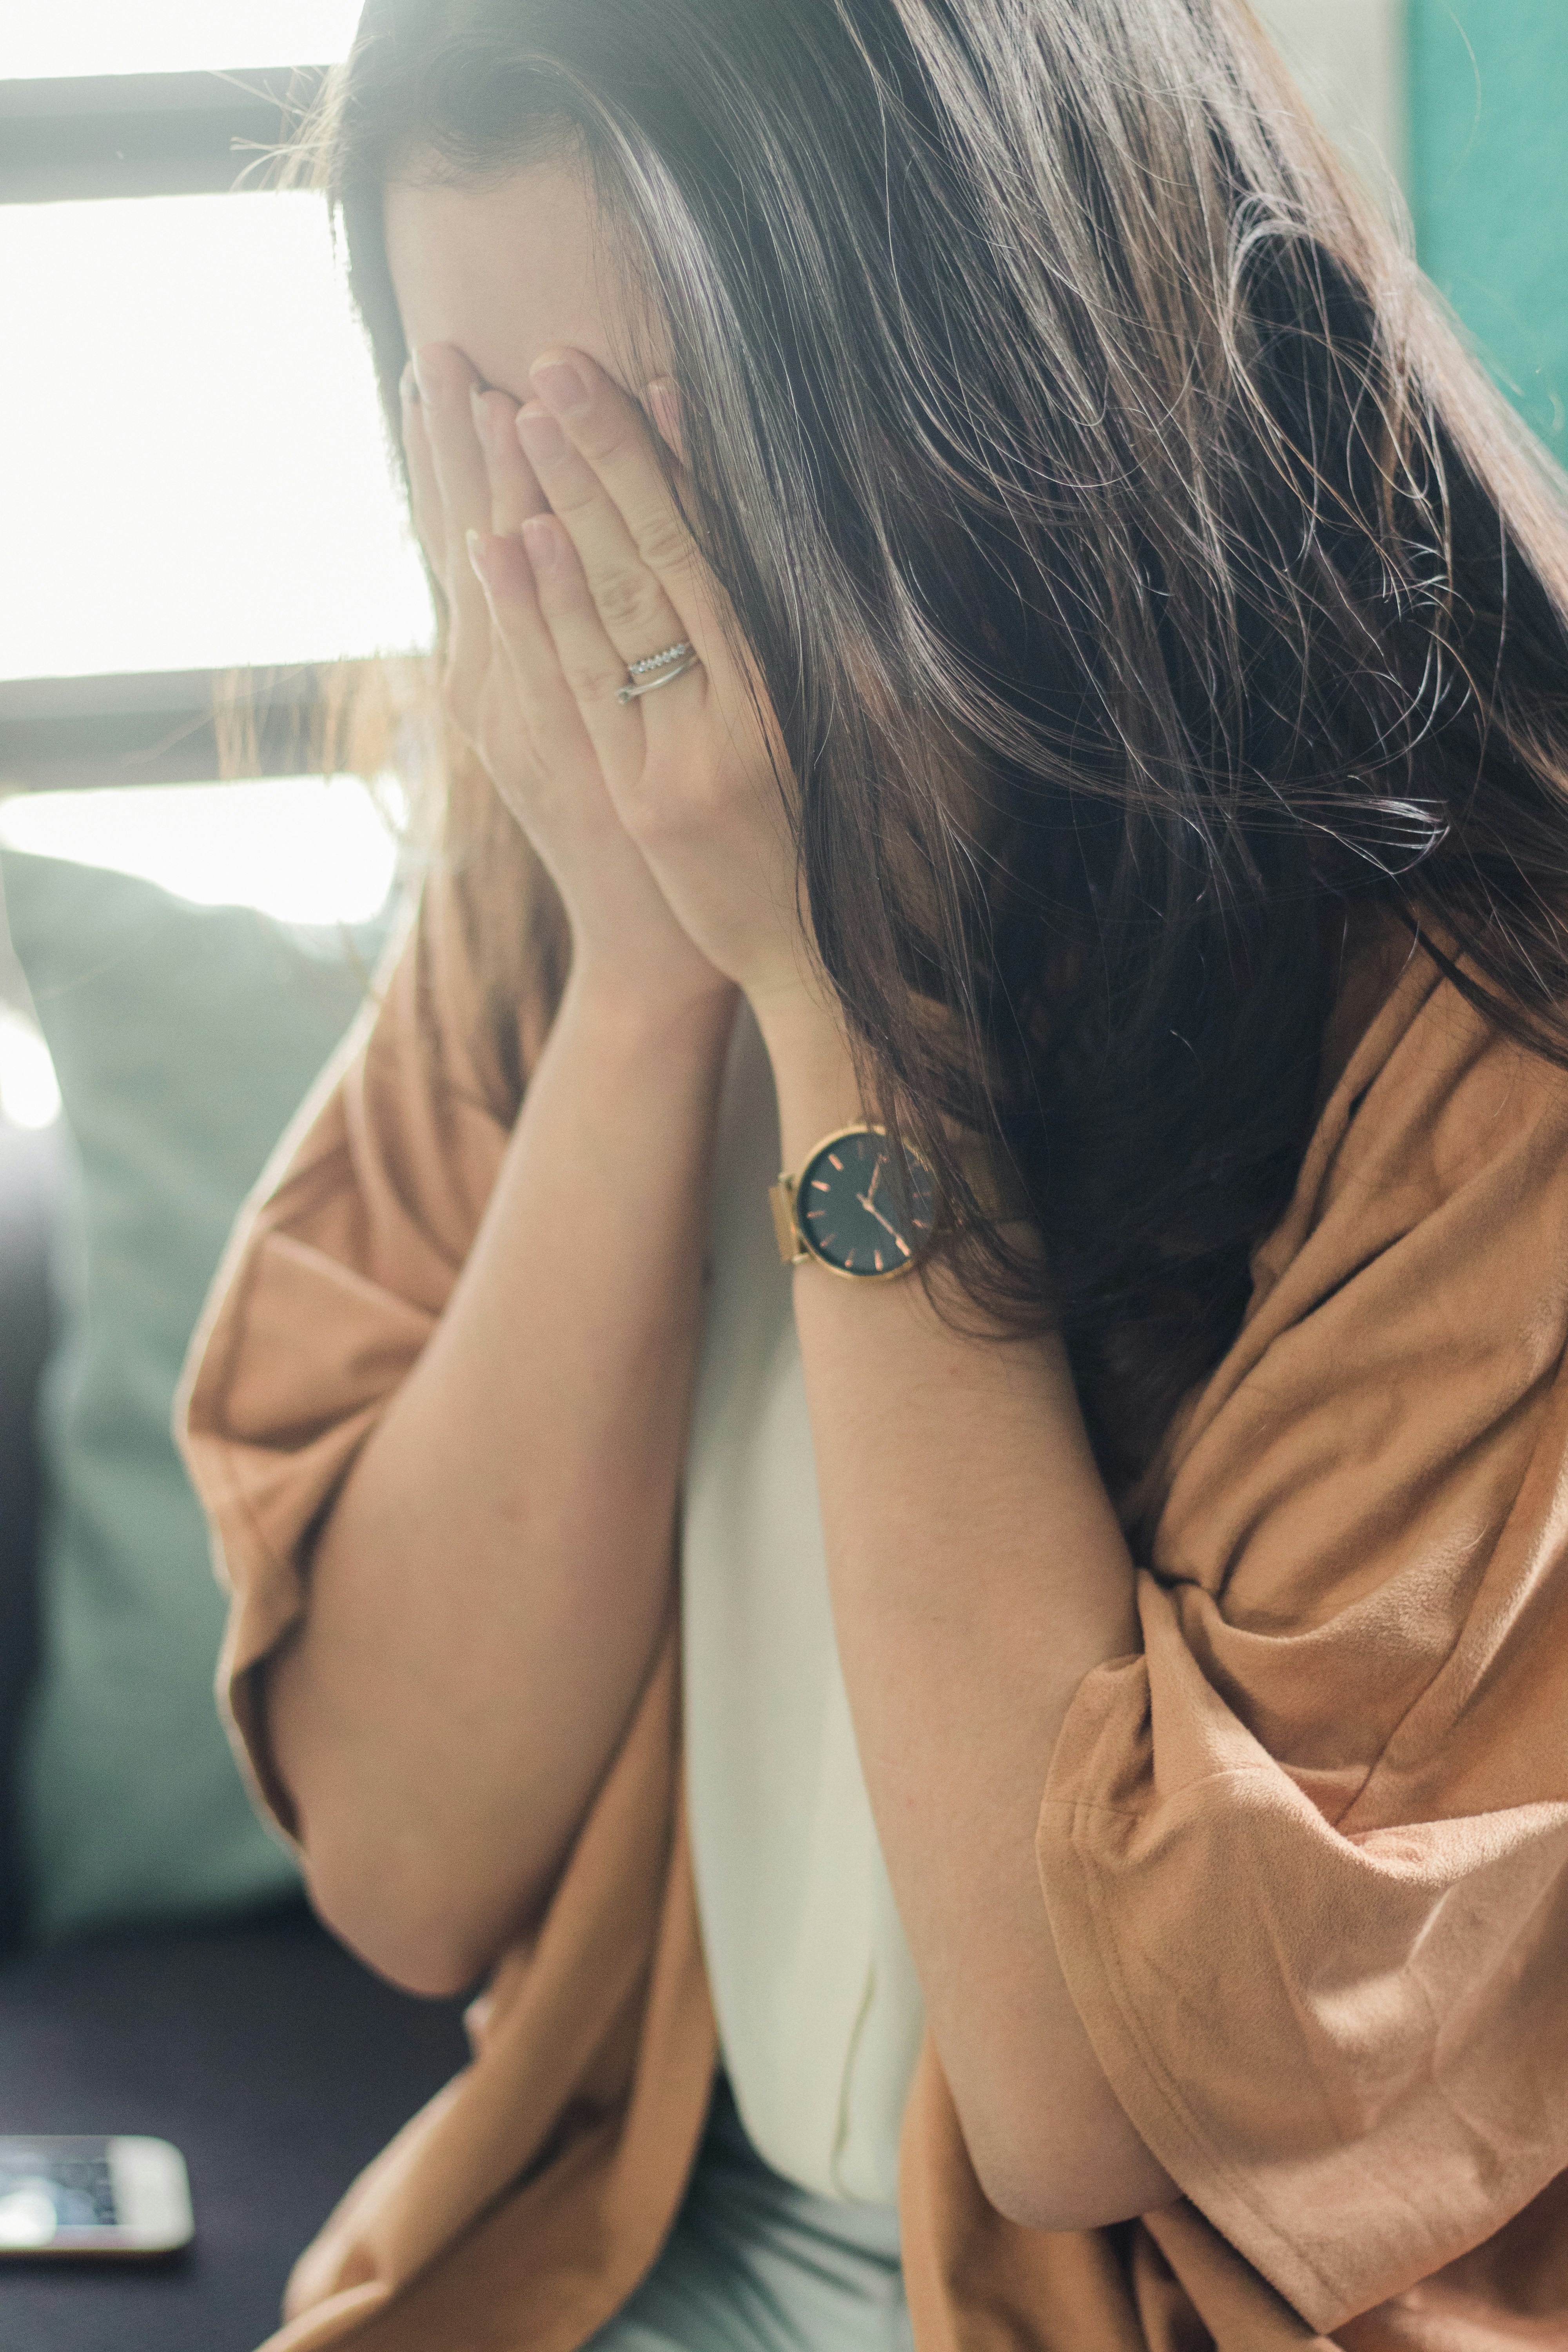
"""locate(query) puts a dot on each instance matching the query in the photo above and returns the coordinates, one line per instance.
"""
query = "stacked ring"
(657, 661)
(656, 670)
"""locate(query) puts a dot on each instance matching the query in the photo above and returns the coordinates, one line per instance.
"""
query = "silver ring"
(650, 685)
(657, 661)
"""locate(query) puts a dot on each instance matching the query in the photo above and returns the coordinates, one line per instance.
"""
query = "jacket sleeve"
(338, 1270)
(1306, 1855)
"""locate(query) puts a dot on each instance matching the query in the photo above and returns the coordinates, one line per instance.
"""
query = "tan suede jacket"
(1305, 1853)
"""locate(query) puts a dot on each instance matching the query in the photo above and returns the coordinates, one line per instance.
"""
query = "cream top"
(818, 2006)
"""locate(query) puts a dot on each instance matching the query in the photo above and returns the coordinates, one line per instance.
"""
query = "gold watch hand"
(864, 1201)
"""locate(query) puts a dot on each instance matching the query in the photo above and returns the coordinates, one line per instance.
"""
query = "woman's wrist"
(636, 1010)
(814, 1068)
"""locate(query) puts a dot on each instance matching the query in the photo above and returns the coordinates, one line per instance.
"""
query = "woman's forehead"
(509, 271)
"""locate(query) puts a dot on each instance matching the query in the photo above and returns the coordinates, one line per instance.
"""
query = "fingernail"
(421, 386)
(540, 434)
(484, 416)
(475, 555)
(560, 386)
(538, 538)
(664, 407)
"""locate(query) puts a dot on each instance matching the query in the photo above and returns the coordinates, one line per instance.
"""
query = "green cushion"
(185, 1038)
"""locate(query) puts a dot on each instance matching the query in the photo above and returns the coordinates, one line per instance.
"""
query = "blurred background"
(192, 474)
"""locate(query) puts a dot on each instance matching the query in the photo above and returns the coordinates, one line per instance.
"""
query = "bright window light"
(122, 36)
(195, 473)
(29, 1095)
(1349, 58)
(305, 849)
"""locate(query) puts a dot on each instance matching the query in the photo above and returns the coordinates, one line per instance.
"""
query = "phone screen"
(44, 2191)
(74, 2195)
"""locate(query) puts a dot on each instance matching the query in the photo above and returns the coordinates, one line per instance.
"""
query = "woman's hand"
(589, 568)
(509, 698)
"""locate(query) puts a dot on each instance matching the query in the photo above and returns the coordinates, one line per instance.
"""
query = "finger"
(592, 665)
(514, 490)
(444, 379)
(610, 433)
(636, 614)
(424, 498)
(505, 573)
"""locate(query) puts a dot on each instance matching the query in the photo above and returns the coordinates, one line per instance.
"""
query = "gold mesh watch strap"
(781, 1201)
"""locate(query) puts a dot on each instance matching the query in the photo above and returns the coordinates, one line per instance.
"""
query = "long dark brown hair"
(1151, 592)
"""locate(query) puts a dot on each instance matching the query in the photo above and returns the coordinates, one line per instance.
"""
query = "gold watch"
(842, 1211)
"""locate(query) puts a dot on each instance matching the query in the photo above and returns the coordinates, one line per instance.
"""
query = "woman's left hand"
(613, 574)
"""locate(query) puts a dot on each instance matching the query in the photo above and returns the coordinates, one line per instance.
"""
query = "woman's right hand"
(467, 473)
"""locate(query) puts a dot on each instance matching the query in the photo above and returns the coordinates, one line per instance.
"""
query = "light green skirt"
(755, 2264)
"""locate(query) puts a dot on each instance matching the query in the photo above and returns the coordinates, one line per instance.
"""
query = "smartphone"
(77, 2196)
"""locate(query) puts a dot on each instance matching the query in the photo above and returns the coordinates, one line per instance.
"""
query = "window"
(197, 480)
(202, 481)
(148, 36)
(226, 845)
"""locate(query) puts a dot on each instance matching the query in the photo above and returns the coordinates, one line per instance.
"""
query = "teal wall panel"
(1489, 184)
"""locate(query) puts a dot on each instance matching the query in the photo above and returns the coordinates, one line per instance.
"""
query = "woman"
(1000, 663)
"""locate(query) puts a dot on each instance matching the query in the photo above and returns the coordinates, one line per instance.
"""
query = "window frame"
(163, 727)
(103, 136)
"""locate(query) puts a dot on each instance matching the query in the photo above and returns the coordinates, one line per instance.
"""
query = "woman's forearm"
(978, 1573)
(489, 1591)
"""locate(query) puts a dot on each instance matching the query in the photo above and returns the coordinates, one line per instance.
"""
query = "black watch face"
(854, 1216)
